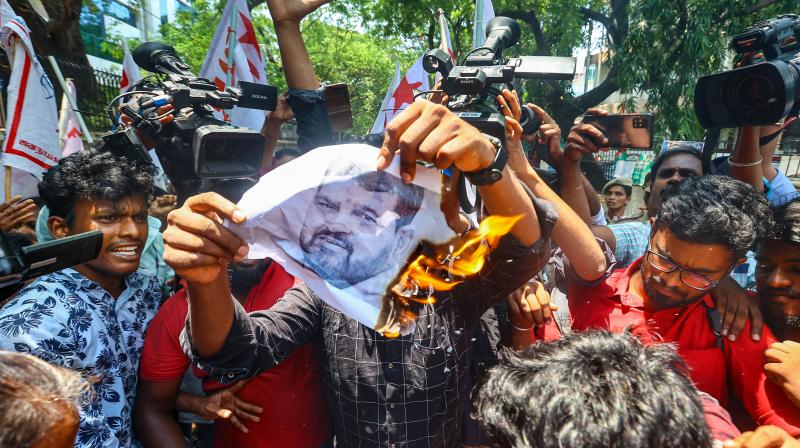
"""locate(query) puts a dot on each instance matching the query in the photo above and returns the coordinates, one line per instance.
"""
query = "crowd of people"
(587, 326)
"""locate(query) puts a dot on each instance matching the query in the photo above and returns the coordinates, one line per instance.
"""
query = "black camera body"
(474, 85)
(763, 92)
(196, 144)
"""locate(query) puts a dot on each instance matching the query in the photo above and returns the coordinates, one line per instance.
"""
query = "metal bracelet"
(522, 329)
(746, 164)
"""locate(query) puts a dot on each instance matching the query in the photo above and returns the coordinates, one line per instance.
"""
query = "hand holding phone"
(624, 130)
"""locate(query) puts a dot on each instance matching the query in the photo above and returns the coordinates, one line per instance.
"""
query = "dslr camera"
(761, 93)
(473, 86)
(196, 144)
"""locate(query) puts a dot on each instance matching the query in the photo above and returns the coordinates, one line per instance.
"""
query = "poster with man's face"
(335, 221)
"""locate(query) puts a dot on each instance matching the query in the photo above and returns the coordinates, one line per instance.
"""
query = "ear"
(58, 227)
(405, 236)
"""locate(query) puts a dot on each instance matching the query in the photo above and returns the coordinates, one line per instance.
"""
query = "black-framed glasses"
(688, 277)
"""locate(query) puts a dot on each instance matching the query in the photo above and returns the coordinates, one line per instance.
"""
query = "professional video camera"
(473, 86)
(196, 144)
(39, 259)
(761, 93)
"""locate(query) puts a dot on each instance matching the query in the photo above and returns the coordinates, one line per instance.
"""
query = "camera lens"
(756, 91)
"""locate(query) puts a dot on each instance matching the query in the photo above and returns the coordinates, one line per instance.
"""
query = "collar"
(84, 288)
(622, 282)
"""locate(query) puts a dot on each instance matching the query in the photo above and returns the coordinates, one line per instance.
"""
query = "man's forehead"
(351, 191)
(133, 203)
(682, 160)
(785, 251)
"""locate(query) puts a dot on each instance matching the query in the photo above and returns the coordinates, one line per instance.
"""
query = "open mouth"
(128, 251)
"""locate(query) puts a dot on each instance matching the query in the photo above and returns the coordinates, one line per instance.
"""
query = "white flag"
(32, 129)
(381, 120)
(415, 81)
(69, 131)
(446, 44)
(484, 12)
(130, 71)
(248, 62)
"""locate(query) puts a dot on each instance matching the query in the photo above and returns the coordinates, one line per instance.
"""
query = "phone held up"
(625, 130)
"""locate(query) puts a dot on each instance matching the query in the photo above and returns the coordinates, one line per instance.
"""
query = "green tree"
(338, 51)
(656, 49)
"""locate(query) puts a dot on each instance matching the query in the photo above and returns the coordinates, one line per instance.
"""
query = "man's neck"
(636, 287)
(620, 212)
(112, 284)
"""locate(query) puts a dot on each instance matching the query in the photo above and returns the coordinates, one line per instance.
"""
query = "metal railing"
(93, 104)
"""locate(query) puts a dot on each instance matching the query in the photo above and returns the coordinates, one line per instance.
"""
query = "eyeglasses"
(688, 277)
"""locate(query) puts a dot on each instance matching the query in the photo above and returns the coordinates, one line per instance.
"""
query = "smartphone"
(337, 103)
(61, 253)
(625, 130)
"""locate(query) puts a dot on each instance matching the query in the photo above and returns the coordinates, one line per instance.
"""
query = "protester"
(426, 371)
(592, 389)
(39, 402)
(703, 229)
(92, 318)
(618, 193)
(629, 240)
(778, 280)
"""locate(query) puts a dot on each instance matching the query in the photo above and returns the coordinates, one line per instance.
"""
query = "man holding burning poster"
(379, 388)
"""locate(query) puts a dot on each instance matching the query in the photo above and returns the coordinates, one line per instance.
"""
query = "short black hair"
(592, 389)
(715, 209)
(675, 149)
(93, 174)
(787, 221)
(287, 152)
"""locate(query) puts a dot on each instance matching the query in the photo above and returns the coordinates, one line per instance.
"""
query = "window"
(121, 12)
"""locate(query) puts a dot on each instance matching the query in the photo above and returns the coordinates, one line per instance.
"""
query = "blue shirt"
(68, 320)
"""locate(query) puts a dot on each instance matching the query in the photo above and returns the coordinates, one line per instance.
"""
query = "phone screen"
(337, 102)
(625, 130)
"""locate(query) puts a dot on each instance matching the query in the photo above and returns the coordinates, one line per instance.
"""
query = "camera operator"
(92, 318)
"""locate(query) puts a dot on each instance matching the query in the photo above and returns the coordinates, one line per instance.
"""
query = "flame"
(437, 268)
(436, 272)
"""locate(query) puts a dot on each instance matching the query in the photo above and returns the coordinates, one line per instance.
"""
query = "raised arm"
(746, 158)
(571, 233)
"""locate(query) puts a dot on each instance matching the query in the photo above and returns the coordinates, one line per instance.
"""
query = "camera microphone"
(158, 57)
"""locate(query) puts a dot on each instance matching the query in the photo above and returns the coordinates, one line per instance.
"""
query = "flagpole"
(71, 100)
(231, 43)
(443, 43)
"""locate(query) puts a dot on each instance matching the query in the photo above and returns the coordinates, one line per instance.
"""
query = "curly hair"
(787, 221)
(715, 209)
(96, 175)
(591, 389)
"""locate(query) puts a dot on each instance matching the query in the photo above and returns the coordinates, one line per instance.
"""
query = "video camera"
(196, 143)
(39, 259)
(761, 93)
(474, 85)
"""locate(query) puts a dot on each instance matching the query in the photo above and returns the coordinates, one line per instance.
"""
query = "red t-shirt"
(290, 393)
(608, 305)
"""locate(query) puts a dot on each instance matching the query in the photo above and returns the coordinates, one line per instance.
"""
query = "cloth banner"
(248, 62)
(31, 141)
(130, 71)
(345, 228)
(484, 12)
(69, 131)
(384, 113)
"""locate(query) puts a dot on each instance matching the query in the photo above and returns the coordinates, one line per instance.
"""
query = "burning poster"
(345, 228)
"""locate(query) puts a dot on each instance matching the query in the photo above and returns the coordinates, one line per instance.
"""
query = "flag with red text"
(248, 61)
(31, 142)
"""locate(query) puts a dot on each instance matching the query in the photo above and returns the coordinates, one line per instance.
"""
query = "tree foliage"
(338, 52)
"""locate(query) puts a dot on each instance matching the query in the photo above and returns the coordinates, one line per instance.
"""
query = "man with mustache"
(702, 231)
(358, 227)
(778, 280)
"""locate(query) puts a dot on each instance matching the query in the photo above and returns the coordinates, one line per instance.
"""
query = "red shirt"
(608, 305)
(290, 394)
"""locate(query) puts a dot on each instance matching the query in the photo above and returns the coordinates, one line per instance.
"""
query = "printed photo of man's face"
(358, 225)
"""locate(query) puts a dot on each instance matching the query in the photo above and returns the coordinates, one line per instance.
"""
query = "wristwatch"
(493, 172)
